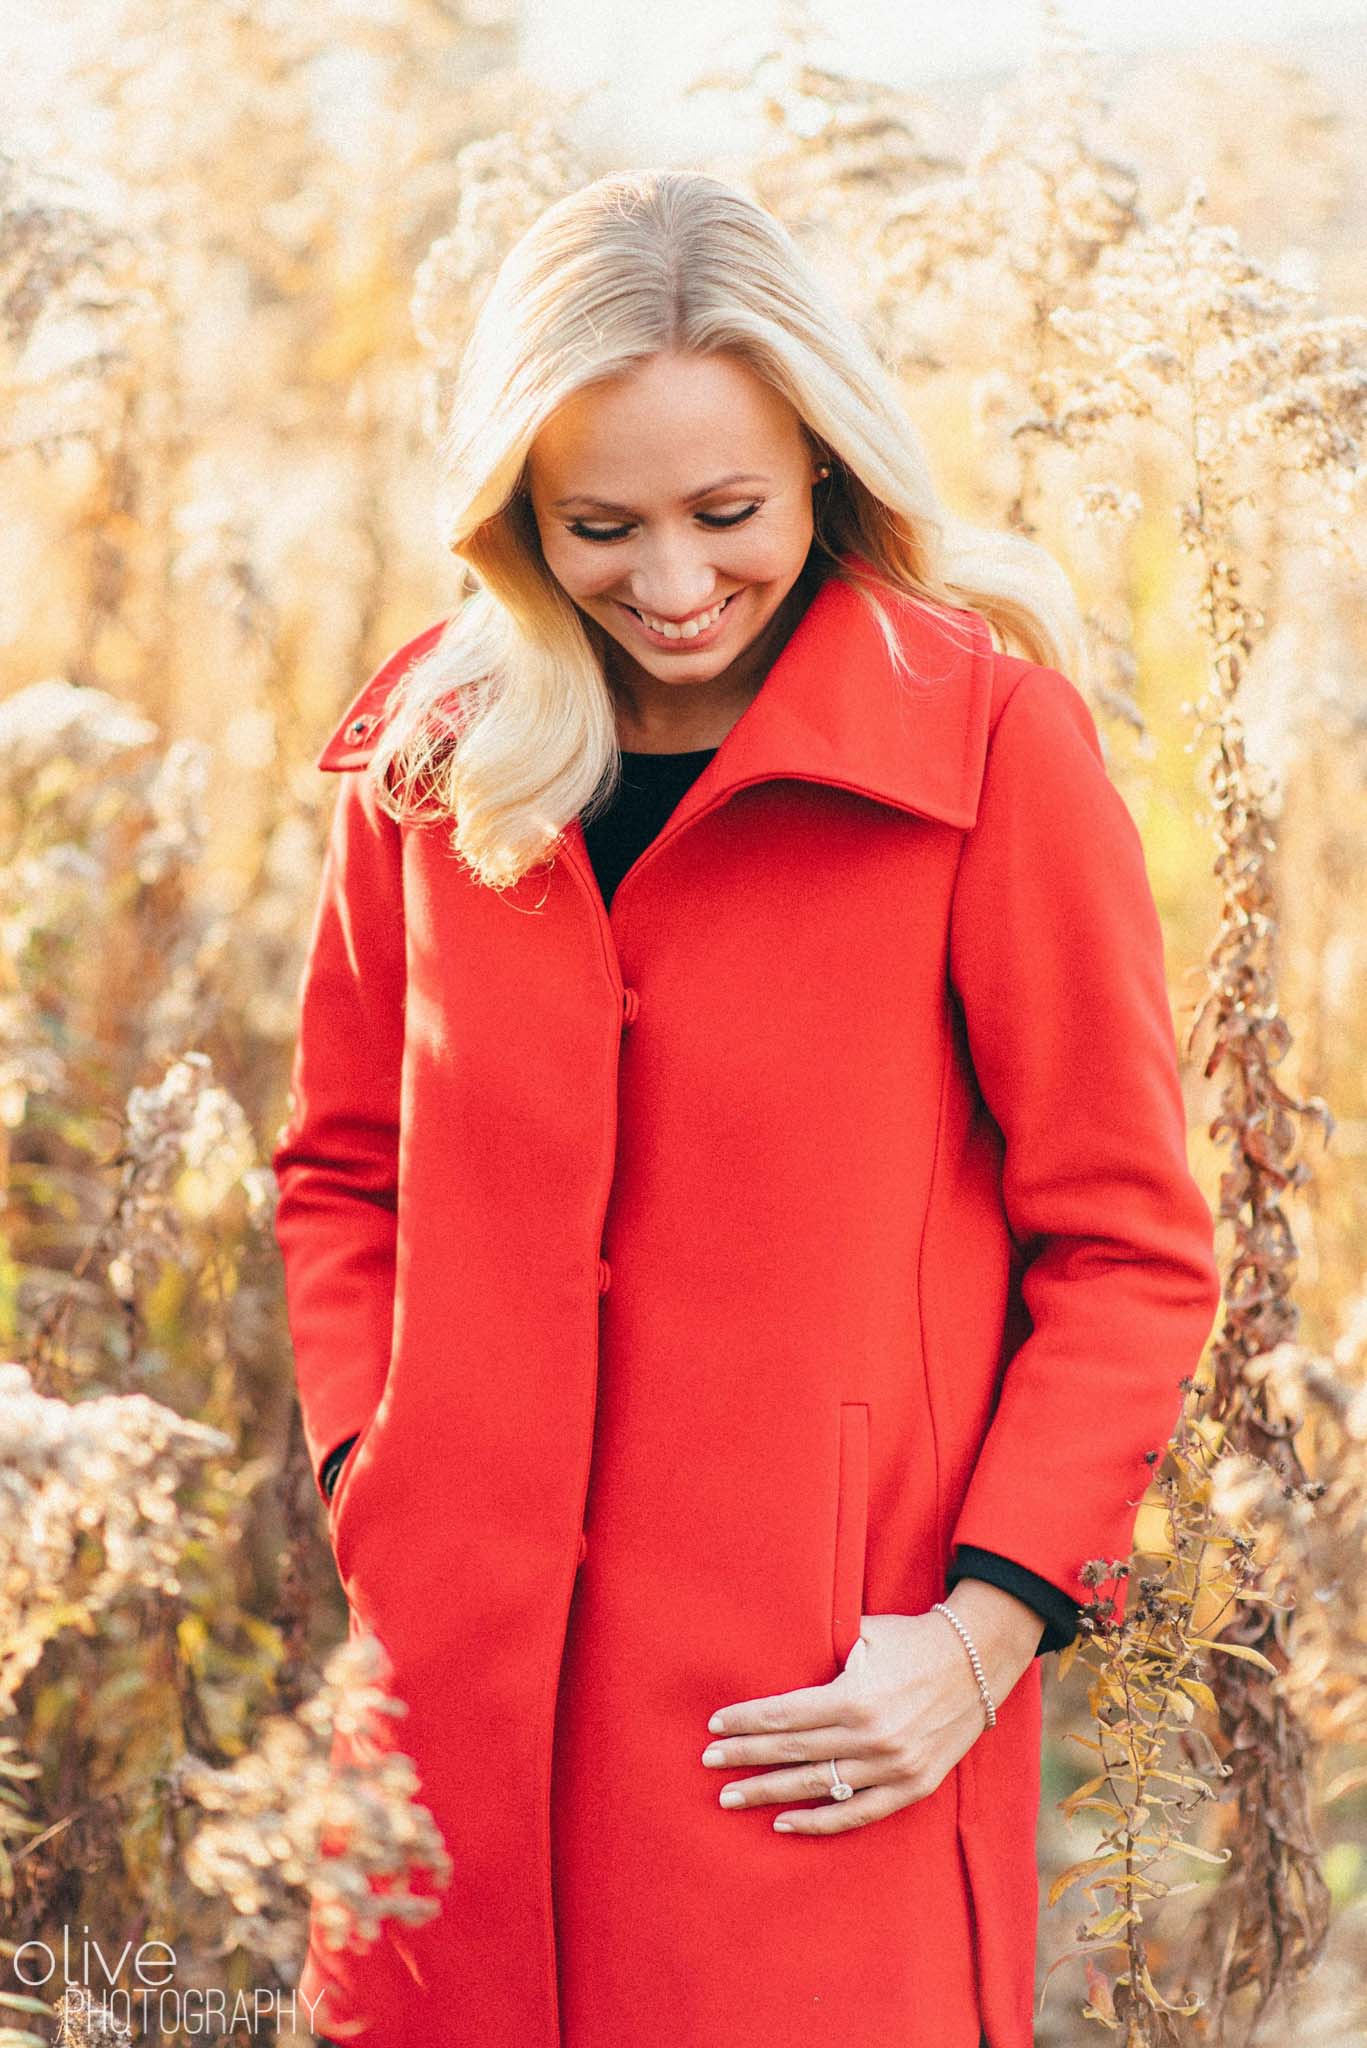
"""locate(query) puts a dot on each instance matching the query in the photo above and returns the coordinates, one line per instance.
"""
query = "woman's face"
(661, 495)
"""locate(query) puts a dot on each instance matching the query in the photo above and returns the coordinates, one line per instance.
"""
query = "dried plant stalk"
(1153, 1766)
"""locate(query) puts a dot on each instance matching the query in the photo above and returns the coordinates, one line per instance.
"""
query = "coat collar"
(831, 709)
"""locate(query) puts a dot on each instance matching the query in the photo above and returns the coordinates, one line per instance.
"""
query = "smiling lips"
(696, 628)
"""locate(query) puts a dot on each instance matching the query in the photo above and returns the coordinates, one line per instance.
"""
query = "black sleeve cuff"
(1057, 1609)
(332, 1465)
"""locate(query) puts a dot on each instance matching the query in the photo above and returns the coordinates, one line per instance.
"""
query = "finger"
(809, 1707)
(810, 1781)
(838, 1817)
(788, 1746)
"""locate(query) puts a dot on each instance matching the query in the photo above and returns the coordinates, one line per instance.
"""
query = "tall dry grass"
(238, 257)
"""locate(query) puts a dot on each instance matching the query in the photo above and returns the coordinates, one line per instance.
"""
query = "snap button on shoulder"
(360, 726)
(604, 1276)
(631, 1003)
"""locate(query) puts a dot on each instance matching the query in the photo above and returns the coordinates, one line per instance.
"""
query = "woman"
(739, 1241)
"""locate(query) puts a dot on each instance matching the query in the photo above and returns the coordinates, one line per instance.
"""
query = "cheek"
(563, 561)
(773, 552)
(584, 572)
(769, 554)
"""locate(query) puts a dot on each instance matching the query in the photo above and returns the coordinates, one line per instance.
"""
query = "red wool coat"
(696, 1277)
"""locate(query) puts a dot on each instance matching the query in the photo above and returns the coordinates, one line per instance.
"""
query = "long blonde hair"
(506, 724)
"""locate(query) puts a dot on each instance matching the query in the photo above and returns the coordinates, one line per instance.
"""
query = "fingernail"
(713, 1753)
(714, 1726)
(784, 1827)
(730, 1797)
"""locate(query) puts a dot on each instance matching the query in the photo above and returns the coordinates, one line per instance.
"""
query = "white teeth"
(690, 628)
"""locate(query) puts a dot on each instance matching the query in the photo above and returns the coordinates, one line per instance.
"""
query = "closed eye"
(716, 520)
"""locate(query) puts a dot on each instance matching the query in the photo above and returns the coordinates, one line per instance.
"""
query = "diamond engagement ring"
(839, 1789)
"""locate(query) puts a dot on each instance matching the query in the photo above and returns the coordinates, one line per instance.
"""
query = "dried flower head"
(187, 1142)
(110, 1469)
(317, 1813)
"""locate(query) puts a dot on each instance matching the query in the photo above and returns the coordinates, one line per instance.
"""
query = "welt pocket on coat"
(851, 1528)
(342, 1485)
(339, 1476)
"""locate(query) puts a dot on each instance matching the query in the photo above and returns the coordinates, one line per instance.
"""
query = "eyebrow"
(738, 476)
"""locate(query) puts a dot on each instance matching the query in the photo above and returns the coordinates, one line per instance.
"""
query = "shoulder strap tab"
(352, 740)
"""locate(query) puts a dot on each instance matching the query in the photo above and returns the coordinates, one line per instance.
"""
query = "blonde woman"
(741, 1252)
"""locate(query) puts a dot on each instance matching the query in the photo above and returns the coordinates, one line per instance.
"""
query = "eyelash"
(714, 521)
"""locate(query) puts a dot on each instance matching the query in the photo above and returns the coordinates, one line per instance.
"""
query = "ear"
(352, 740)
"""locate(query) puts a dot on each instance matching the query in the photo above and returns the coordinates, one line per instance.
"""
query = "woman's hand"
(903, 1711)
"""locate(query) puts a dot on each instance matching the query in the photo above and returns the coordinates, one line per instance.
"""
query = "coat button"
(604, 1276)
(631, 1003)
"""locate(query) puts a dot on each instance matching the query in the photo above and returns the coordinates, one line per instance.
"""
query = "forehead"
(679, 418)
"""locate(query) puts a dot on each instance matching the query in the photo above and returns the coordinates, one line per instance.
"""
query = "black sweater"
(650, 788)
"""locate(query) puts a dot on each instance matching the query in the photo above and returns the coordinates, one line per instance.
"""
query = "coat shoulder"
(1047, 707)
(352, 739)
(1027, 721)
(1007, 670)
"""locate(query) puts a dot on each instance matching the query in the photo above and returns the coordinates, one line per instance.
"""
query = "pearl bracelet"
(951, 1617)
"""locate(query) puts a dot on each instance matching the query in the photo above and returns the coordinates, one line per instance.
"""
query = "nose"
(673, 580)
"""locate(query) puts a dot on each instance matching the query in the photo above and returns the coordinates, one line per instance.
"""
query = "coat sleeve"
(336, 1156)
(1056, 953)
